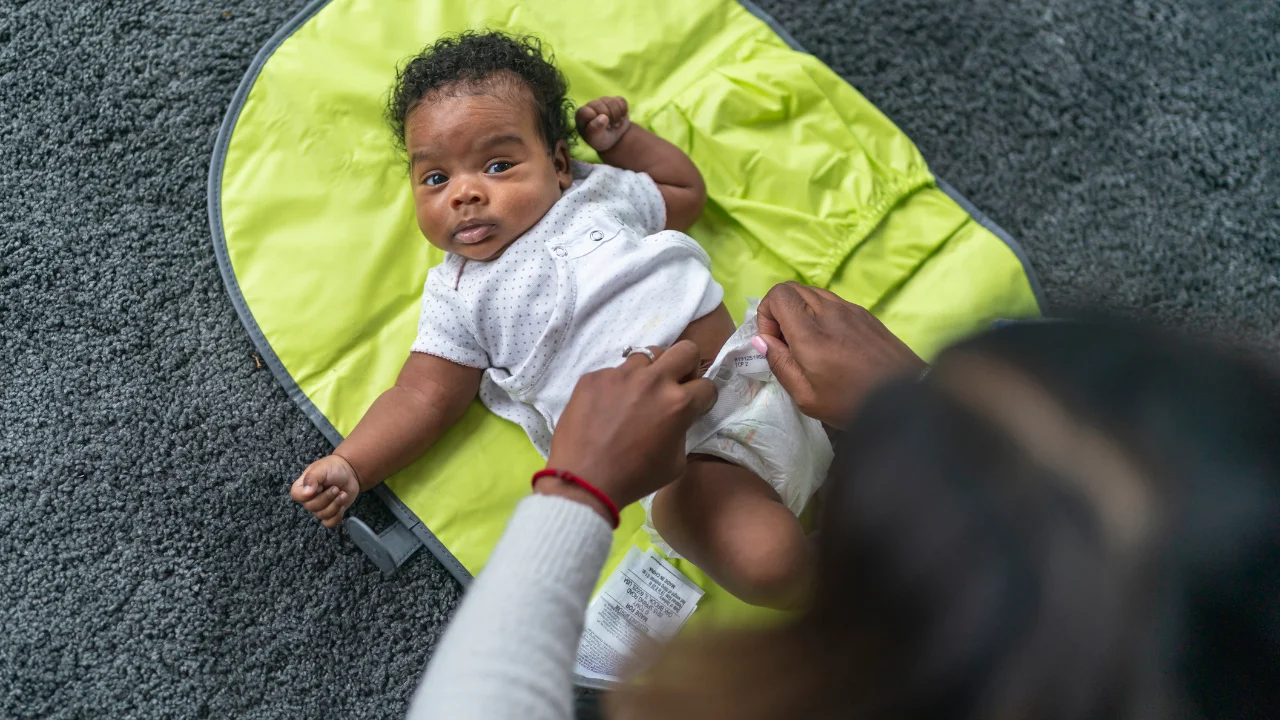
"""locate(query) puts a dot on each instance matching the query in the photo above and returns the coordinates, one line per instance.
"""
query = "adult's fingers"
(810, 295)
(702, 395)
(784, 366)
(828, 295)
(637, 360)
(679, 361)
(784, 312)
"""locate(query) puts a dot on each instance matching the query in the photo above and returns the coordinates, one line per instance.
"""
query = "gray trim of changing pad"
(1016, 247)
(402, 513)
(767, 19)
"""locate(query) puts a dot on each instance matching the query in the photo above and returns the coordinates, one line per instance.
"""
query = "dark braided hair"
(485, 60)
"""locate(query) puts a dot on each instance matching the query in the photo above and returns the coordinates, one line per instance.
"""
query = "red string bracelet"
(595, 492)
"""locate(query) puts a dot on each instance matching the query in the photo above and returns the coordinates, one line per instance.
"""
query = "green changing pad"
(314, 229)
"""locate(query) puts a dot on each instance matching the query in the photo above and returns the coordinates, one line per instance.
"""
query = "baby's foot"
(326, 489)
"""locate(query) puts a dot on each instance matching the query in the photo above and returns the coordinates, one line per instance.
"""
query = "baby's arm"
(605, 126)
(429, 396)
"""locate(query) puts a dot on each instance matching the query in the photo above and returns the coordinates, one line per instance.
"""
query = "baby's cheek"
(438, 240)
(430, 228)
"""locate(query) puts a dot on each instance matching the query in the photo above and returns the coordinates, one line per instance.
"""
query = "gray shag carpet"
(151, 564)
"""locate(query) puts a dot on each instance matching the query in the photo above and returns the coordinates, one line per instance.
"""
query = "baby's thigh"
(710, 332)
(711, 504)
(713, 481)
(732, 524)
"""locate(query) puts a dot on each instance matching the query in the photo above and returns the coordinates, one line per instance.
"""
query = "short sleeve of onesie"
(633, 197)
(443, 329)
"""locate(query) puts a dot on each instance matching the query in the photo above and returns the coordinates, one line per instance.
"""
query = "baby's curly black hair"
(471, 60)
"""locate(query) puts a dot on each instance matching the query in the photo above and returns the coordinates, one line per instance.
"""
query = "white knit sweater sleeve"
(510, 649)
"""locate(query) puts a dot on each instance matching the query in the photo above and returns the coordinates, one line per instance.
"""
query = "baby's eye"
(434, 179)
(498, 167)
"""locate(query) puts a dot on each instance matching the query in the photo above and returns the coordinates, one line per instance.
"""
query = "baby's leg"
(710, 332)
(732, 525)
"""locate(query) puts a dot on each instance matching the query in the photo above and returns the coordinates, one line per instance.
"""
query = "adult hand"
(828, 353)
(623, 429)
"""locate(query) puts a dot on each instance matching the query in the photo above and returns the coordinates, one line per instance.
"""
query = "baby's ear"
(564, 169)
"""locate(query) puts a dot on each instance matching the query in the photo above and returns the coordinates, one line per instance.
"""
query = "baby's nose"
(468, 194)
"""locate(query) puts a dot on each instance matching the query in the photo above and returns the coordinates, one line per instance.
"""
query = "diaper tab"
(737, 372)
(750, 363)
(739, 356)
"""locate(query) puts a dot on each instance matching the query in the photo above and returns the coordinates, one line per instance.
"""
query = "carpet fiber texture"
(151, 564)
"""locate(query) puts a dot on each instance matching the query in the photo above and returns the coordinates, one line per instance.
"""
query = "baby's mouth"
(471, 234)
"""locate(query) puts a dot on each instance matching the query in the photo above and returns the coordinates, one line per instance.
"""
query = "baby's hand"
(326, 489)
(603, 121)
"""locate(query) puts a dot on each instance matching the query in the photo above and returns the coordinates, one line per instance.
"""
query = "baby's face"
(481, 172)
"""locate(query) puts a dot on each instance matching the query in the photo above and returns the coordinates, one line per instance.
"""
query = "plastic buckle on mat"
(388, 549)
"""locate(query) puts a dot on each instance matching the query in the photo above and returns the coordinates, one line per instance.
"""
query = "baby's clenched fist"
(326, 489)
(602, 122)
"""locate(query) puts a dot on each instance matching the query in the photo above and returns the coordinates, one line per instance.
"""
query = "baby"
(552, 267)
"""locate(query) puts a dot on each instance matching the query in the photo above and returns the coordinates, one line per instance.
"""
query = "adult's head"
(1064, 520)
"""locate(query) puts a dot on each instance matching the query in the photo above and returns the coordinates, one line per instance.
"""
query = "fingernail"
(760, 345)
